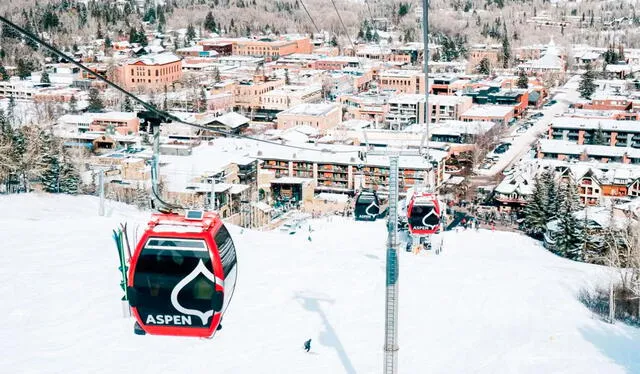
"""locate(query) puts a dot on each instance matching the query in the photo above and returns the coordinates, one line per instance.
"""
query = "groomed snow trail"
(490, 303)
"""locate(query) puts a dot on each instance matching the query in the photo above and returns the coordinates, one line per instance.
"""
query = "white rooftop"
(489, 111)
(306, 109)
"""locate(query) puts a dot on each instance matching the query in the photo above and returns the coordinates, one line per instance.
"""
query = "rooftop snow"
(488, 111)
(315, 110)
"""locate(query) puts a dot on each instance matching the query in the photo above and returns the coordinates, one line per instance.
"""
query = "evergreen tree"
(142, 38)
(523, 80)
(107, 42)
(11, 110)
(506, 48)
(50, 178)
(69, 178)
(210, 23)
(287, 80)
(587, 85)
(191, 33)
(569, 238)
(133, 35)
(165, 99)
(45, 77)
(73, 104)
(484, 67)
(202, 101)
(216, 75)
(551, 194)
(24, 69)
(95, 102)
(598, 137)
(535, 212)
(126, 105)
(4, 76)
(141, 198)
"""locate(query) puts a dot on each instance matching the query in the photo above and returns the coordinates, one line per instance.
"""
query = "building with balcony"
(567, 150)
(586, 131)
(405, 110)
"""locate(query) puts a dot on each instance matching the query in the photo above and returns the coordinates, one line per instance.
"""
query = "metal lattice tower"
(391, 303)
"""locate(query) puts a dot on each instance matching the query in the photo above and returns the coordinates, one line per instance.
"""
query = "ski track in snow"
(492, 302)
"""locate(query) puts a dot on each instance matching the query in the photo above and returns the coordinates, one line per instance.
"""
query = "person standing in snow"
(307, 345)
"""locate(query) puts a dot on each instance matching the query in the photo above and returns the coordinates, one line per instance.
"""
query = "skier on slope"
(307, 345)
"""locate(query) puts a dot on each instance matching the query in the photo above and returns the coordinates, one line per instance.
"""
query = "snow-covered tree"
(69, 178)
(523, 80)
(126, 105)
(95, 102)
(484, 67)
(50, 178)
(44, 78)
(535, 212)
(570, 235)
(142, 198)
(73, 104)
(587, 85)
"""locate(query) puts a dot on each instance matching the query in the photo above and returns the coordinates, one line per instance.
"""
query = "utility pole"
(391, 304)
(101, 181)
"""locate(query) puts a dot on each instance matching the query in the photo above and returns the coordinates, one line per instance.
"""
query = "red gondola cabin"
(424, 215)
(182, 275)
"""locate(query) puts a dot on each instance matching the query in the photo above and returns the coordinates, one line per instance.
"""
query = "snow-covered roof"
(156, 59)
(594, 123)
(232, 120)
(315, 110)
(490, 111)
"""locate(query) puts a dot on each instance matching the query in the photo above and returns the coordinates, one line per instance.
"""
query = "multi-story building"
(318, 116)
(289, 96)
(366, 106)
(607, 102)
(479, 51)
(445, 107)
(501, 114)
(272, 49)
(402, 81)
(517, 98)
(405, 110)
(345, 172)
(124, 123)
(248, 93)
(150, 72)
(587, 131)
(568, 150)
(336, 63)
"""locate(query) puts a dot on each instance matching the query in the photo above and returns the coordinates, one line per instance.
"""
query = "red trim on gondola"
(423, 230)
(210, 224)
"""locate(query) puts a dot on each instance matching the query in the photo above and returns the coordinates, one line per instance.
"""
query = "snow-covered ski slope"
(490, 303)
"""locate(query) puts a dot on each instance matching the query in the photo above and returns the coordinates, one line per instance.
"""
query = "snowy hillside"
(490, 303)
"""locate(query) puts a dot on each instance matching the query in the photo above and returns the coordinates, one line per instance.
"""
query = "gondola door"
(173, 290)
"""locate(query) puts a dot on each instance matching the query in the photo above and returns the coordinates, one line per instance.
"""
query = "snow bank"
(490, 303)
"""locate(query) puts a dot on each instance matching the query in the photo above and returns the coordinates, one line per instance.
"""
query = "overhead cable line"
(310, 18)
(162, 114)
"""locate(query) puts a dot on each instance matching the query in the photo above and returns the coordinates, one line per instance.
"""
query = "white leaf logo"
(432, 212)
(199, 269)
(373, 204)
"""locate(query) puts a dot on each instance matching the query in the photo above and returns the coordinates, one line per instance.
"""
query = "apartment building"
(517, 98)
(124, 123)
(586, 130)
(289, 96)
(336, 63)
(347, 172)
(602, 101)
(248, 93)
(366, 106)
(568, 150)
(479, 51)
(402, 81)
(318, 116)
(272, 49)
(500, 114)
(150, 72)
(445, 107)
(405, 110)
